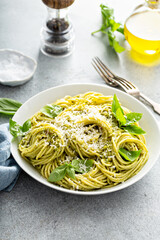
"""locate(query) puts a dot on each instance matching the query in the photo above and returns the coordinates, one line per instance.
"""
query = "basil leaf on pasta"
(120, 117)
(129, 155)
(9, 106)
(82, 166)
(51, 111)
(16, 130)
(58, 173)
(118, 111)
(132, 118)
(116, 105)
(126, 121)
(133, 129)
(71, 172)
(26, 126)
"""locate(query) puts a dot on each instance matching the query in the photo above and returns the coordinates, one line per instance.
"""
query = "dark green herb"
(127, 121)
(70, 172)
(110, 26)
(132, 118)
(133, 129)
(58, 173)
(16, 130)
(77, 165)
(129, 155)
(9, 106)
(117, 110)
(82, 166)
(120, 117)
(51, 110)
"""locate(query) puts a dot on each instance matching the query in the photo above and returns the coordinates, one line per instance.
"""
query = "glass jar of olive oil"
(142, 28)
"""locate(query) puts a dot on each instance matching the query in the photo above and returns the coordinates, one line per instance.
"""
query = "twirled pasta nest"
(85, 129)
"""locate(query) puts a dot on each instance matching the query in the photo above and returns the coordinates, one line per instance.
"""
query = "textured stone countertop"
(34, 211)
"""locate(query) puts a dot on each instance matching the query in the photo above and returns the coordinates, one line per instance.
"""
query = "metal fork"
(111, 79)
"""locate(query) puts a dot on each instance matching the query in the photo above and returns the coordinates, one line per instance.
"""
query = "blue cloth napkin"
(9, 169)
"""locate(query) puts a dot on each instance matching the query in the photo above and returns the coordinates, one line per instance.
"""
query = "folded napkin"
(9, 169)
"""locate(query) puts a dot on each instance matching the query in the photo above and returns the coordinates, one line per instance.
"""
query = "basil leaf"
(132, 118)
(9, 106)
(51, 110)
(120, 117)
(117, 47)
(114, 25)
(71, 172)
(129, 155)
(121, 29)
(82, 166)
(58, 173)
(126, 122)
(109, 26)
(15, 129)
(106, 11)
(89, 164)
(26, 126)
(133, 129)
(116, 105)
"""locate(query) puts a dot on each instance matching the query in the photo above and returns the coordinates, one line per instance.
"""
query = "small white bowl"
(15, 67)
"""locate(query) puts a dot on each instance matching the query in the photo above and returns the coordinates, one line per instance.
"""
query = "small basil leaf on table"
(71, 172)
(51, 111)
(129, 155)
(58, 173)
(114, 43)
(117, 47)
(110, 26)
(133, 129)
(9, 106)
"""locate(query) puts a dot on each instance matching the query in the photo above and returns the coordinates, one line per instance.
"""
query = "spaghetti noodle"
(85, 129)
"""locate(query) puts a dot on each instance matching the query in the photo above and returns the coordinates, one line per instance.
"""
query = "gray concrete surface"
(33, 211)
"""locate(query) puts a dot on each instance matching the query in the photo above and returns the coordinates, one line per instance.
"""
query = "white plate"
(15, 68)
(148, 123)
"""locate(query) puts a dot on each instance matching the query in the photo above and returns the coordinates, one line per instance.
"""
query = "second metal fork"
(111, 79)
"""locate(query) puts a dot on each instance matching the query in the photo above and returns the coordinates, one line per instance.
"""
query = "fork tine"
(102, 74)
(128, 83)
(105, 68)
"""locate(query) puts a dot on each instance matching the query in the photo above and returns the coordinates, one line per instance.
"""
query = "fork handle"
(154, 105)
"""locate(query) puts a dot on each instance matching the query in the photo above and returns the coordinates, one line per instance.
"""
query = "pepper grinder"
(57, 33)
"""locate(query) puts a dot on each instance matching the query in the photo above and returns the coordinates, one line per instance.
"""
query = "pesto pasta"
(86, 141)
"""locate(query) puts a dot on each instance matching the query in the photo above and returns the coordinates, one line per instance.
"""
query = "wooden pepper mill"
(58, 4)
(57, 34)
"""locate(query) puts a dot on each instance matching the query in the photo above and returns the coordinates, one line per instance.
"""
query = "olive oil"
(142, 30)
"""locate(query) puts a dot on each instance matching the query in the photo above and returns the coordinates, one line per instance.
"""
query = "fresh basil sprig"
(9, 106)
(51, 110)
(129, 155)
(77, 165)
(16, 130)
(127, 121)
(110, 26)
